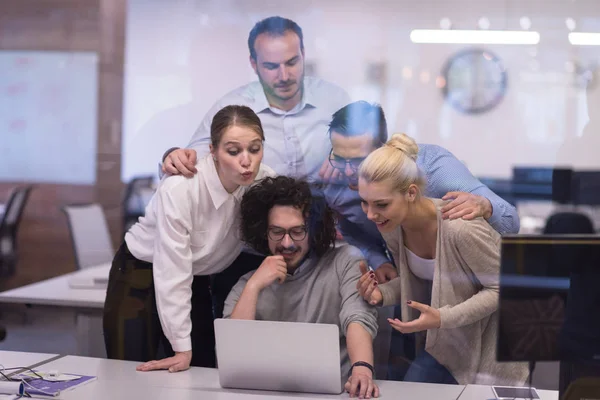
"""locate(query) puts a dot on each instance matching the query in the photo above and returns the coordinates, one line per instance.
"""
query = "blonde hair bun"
(404, 143)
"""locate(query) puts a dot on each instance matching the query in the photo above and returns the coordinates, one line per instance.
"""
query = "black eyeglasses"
(340, 163)
(277, 234)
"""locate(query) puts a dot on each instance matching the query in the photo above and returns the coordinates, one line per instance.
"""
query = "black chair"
(9, 227)
(134, 202)
(569, 222)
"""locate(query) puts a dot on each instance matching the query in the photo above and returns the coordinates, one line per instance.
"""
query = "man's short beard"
(272, 91)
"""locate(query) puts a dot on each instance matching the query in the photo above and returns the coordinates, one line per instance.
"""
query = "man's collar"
(260, 100)
(309, 98)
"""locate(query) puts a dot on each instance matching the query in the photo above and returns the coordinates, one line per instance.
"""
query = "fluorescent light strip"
(584, 39)
(473, 36)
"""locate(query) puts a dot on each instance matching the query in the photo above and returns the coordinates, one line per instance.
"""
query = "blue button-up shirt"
(296, 141)
(444, 173)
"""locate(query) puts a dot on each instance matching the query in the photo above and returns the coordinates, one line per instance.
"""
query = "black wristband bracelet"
(362, 364)
(169, 152)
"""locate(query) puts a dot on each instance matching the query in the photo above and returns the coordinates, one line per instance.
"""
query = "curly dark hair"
(286, 191)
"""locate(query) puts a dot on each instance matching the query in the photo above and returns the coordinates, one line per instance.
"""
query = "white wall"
(182, 55)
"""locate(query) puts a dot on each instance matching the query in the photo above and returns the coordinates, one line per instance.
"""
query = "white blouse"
(191, 227)
(421, 267)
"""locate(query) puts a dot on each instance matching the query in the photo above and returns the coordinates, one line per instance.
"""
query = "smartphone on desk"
(511, 392)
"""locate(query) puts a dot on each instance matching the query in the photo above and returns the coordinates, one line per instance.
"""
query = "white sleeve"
(172, 263)
(265, 171)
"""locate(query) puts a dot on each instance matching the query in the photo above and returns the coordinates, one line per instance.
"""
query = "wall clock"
(475, 81)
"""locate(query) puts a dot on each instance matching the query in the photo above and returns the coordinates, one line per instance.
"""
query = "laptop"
(281, 356)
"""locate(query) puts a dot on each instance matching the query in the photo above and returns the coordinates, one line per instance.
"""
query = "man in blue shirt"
(359, 128)
(355, 131)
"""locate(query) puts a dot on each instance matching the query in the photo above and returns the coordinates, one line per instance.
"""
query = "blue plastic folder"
(41, 387)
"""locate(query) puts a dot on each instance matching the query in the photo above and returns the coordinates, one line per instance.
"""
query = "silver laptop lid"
(282, 356)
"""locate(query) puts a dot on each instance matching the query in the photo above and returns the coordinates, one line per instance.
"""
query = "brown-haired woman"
(158, 301)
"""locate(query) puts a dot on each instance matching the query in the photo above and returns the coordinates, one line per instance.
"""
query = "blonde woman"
(448, 273)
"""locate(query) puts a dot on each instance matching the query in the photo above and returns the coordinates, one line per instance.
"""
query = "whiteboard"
(48, 116)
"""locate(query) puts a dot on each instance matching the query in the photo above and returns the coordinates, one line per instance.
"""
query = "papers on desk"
(91, 278)
(47, 376)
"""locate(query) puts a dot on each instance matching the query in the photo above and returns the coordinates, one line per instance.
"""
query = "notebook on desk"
(37, 386)
(281, 356)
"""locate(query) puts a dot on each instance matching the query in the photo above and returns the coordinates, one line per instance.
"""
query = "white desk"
(479, 392)
(87, 304)
(58, 292)
(120, 380)
(203, 383)
(10, 359)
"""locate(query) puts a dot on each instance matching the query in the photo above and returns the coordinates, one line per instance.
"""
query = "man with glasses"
(304, 278)
(355, 131)
(358, 129)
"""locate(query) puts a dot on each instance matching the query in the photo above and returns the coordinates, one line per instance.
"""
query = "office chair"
(569, 222)
(9, 227)
(90, 235)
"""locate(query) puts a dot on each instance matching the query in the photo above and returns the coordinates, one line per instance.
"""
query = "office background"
(122, 81)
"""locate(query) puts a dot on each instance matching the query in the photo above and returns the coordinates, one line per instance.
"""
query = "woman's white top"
(421, 267)
(191, 227)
